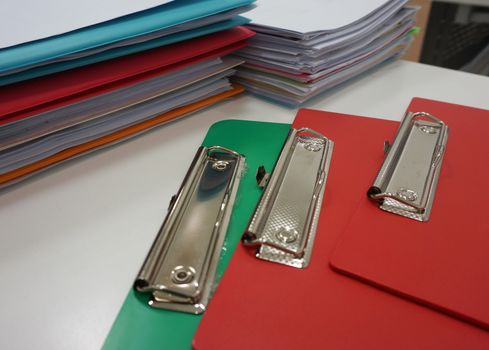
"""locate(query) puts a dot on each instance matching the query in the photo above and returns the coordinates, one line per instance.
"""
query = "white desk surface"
(72, 239)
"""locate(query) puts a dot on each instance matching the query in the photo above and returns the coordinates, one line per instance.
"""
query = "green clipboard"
(138, 326)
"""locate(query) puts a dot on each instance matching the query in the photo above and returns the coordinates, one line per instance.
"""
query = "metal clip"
(180, 268)
(406, 182)
(283, 226)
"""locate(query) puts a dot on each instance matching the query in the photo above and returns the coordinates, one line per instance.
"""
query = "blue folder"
(127, 27)
(121, 51)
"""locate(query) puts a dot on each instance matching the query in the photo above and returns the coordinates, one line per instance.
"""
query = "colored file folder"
(266, 305)
(120, 51)
(138, 326)
(28, 170)
(128, 27)
(35, 96)
(443, 262)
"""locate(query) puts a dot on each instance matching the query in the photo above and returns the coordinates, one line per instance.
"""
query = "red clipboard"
(444, 262)
(24, 99)
(265, 305)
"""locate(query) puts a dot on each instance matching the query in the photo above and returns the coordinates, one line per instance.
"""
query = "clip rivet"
(220, 165)
(286, 235)
(182, 274)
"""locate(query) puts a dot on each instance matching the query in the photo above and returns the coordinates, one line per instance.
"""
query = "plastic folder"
(28, 98)
(265, 305)
(121, 51)
(138, 326)
(19, 174)
(157, 18)
(443, 262)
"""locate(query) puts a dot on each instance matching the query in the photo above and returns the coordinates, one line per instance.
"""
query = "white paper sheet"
(293, 93)
(302, 16)
(302, 89)
(401, 22)
(28, 20)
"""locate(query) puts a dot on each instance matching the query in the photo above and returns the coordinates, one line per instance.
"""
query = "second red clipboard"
(444, 262)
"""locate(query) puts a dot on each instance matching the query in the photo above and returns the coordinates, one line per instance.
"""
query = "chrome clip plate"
(179, 270)
(284, 224)
(407, 181)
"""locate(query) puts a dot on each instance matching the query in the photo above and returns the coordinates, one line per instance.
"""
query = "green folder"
(138, 326)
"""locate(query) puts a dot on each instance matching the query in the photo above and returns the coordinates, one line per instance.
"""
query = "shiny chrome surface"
(283, 226)
(180, 268)
(407, 180)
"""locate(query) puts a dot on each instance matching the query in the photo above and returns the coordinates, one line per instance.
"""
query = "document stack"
(299, 52)
(73, 81)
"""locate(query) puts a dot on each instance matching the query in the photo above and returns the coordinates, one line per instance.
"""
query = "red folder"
(443, 262)
(265, 305)
(34, 96)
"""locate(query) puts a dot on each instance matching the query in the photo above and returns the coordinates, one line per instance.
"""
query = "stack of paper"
(74, 92)
(303, 48)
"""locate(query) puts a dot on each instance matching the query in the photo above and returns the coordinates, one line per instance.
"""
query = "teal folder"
(120, 51)
(127, 27)
(138, 326)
